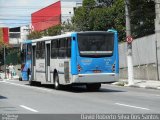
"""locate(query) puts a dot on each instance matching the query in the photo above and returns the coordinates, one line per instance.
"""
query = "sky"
(15, 13)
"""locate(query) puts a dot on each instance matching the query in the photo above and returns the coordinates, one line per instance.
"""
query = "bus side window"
(38, 50)
(54, 48)
(62, 50)
(23, 53)
(28, 51)
(42, 50)
(68, 47)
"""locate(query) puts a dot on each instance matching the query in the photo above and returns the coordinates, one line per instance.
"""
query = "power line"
(43, 21)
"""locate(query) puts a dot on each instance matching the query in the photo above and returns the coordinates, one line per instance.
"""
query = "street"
(19, 97)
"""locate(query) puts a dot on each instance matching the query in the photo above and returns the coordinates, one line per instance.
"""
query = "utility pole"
(157, 32)
(129, 44)
(5, 62)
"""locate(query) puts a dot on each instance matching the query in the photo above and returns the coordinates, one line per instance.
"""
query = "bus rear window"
(96, 44)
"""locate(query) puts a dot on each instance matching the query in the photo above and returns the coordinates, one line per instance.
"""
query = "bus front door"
(47, 63)
(33, 75)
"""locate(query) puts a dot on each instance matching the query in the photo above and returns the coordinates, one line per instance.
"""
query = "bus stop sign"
(129, 39)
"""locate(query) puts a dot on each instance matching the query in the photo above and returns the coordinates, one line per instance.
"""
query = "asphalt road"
(18, 97)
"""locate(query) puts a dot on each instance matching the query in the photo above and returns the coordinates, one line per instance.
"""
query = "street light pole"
(129, 45)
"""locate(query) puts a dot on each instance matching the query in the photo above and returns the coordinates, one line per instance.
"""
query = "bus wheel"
(31, 83)
(57, 86)
(93, 86)
(20, 78)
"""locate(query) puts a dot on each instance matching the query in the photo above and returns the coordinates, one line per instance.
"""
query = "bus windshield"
(96, 44)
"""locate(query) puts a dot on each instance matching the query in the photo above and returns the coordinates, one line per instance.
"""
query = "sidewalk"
(149, 84)
(2, 76)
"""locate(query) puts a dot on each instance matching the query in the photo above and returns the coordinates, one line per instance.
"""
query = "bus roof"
(47, 38)
(26, 41)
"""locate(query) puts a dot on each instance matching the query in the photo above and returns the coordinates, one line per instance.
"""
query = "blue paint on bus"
(26, 60)
(89, 65)
(74, 70)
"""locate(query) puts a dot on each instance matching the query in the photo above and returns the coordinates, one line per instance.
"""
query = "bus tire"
(20, 78)
(57, 86)
(31, 83)
(93, 86)
(28, 73)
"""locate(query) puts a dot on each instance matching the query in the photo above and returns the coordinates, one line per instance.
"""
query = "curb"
(146, 87)
(135, 86)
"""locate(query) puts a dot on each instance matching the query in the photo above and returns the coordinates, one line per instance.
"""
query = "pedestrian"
(11, 70)
(7, 71)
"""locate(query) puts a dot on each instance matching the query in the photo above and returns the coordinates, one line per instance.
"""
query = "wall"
(144, 58)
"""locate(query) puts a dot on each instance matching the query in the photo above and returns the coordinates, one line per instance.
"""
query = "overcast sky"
(18, 12)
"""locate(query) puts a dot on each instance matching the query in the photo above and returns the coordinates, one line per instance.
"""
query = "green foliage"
(80, 19)
(89, 3)
(101, 18)
(34, 35)
(67, 27)
(107, 14)
(13, 56)
(117, 11)
(55, 30)
(107, 3)
(142, 17)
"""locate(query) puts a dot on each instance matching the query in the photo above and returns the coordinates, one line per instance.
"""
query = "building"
(4, 37)
(18, 34)
(54, 14)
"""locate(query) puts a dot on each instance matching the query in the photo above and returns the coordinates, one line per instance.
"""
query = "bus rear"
(95, 57)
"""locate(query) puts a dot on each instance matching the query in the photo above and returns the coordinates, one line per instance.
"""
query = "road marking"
(30, 109)
(31, 87)
(132, 106)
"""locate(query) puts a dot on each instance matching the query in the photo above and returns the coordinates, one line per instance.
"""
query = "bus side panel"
(117, 53)
(40, 70)
(25, 69)
(60, 66)
(74, 70)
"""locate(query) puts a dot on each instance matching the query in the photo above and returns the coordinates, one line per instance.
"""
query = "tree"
(105, 3)
(99, 19)
(35, 35)
(55, 30)
(117, 11)
(67, 26)
(142, 17)
(81, 17)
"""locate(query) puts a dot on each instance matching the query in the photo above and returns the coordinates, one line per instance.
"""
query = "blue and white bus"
(26, 48)
(89, 58)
